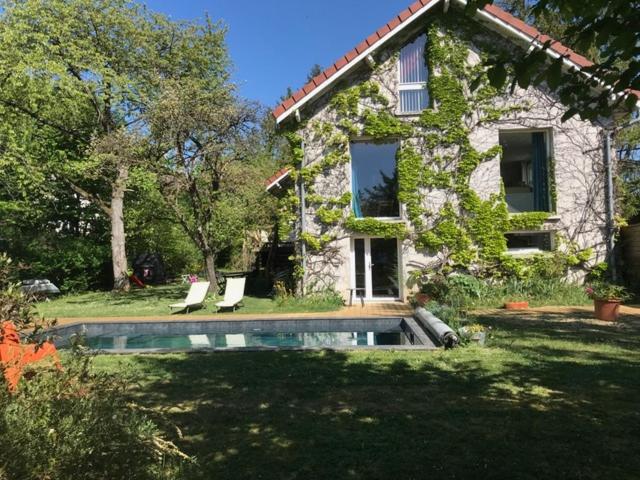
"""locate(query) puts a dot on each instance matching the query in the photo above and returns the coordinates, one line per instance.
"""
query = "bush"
(463, 291)
(71, 423)
(75, 424)
(327, 297)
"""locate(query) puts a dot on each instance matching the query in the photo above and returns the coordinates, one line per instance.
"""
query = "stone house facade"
(402, 165)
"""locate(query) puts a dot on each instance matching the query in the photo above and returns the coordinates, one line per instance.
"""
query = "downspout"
(610, 205)
(303, 246)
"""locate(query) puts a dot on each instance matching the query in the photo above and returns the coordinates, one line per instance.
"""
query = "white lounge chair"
(195, 297)
(233, 293)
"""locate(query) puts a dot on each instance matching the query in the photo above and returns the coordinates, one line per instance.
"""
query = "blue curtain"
(355, 196)
(540, 173)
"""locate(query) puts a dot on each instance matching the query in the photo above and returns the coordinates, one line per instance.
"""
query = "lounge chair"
(233, 293)
(195, 297)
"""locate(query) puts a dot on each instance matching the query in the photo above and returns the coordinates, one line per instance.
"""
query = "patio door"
(375, 268)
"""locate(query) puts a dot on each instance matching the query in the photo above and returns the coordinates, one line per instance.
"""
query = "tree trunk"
(118, 247)
(210, 261)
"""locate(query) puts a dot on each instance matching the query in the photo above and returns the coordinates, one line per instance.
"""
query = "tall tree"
(85, 71)
(212, 171)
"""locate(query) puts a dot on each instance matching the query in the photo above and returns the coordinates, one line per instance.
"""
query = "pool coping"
(427, 342)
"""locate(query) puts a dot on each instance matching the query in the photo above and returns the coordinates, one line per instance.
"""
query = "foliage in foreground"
(71, 423)
(76, 424)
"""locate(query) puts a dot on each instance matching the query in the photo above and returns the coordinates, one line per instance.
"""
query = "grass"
(546, 399)
(155, 301)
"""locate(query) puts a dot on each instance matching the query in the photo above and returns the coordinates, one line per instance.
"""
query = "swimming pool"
(141, 337)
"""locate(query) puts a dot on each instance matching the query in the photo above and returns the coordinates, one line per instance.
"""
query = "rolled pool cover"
(443, 332)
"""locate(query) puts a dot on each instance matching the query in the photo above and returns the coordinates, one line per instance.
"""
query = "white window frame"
(526, 251)
(413, 85)
(368, 283)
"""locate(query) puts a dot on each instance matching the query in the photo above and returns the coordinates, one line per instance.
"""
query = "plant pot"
(479, 338)
(475, 337)
(606, 310)
(523, 305)
(422, 299)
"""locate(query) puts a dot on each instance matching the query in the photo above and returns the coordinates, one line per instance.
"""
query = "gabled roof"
(276, 178)
(505, 22)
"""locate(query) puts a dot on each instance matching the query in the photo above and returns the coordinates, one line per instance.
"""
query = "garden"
(132, 169)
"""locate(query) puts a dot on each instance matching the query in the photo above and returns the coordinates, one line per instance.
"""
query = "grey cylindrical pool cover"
(437, 327)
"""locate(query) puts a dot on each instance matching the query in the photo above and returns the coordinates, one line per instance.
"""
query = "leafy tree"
(628, 178)
(212, 169)
(608, 28)
(314, 71)
(84, 72)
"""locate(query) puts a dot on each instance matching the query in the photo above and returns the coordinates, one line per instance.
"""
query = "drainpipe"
(303, 248)
(610, 205)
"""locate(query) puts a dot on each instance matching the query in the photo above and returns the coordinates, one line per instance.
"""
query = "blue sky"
(274, 43)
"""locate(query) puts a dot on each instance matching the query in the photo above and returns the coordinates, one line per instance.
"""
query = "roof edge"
(504, 20)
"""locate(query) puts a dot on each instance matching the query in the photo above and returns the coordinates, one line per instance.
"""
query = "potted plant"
(516, 305)
(474, 333)
(607, 298)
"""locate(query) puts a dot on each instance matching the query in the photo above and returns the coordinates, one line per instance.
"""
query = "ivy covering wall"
(436, 159)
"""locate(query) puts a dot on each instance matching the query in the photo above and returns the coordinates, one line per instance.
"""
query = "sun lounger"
(233, 293)
(195, 297)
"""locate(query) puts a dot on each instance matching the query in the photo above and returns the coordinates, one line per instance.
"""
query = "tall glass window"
(374, 179)
(413, 77)
(525, 171)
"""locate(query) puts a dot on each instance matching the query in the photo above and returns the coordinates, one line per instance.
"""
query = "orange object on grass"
(14, 355)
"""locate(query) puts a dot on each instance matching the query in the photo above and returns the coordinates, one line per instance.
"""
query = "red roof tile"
(362, 46)
(382, 31)
(373, 38)
(309, 87)
(276, 176)
(498, 13)
(403, 15)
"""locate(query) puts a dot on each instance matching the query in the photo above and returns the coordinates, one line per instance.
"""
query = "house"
(401, 165)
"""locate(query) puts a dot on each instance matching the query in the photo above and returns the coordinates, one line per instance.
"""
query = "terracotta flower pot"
(523, 305)
(606, 310)
(422, 299)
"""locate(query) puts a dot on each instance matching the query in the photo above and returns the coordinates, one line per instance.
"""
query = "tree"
(314, 71)
(211, 175)
(608, 28)
(84, 71)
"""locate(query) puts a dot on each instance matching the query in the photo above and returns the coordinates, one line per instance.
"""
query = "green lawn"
(156, 300)
(545, 399)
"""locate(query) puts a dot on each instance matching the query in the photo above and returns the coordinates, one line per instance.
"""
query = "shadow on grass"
(536, 409)
(135, 295)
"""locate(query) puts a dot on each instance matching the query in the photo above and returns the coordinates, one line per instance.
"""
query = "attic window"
(412, 88)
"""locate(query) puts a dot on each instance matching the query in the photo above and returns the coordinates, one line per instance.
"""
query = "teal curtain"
(540, 173)
(355, 195)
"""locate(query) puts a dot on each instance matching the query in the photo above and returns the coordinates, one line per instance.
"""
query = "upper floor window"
(412, 88)
(525, 170)
(374, 179)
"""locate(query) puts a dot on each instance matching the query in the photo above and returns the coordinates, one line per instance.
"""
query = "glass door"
(375, 268)
(384, 268)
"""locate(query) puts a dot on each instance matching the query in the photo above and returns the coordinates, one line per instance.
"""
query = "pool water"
(240, 340)
(245, 334)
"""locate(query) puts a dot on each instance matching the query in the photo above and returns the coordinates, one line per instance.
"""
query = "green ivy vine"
(435, 154)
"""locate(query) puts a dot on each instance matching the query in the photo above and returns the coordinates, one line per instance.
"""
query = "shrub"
(540, 285)
(324, 298)
(607, 291)
(72, 423)
(75, 424)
